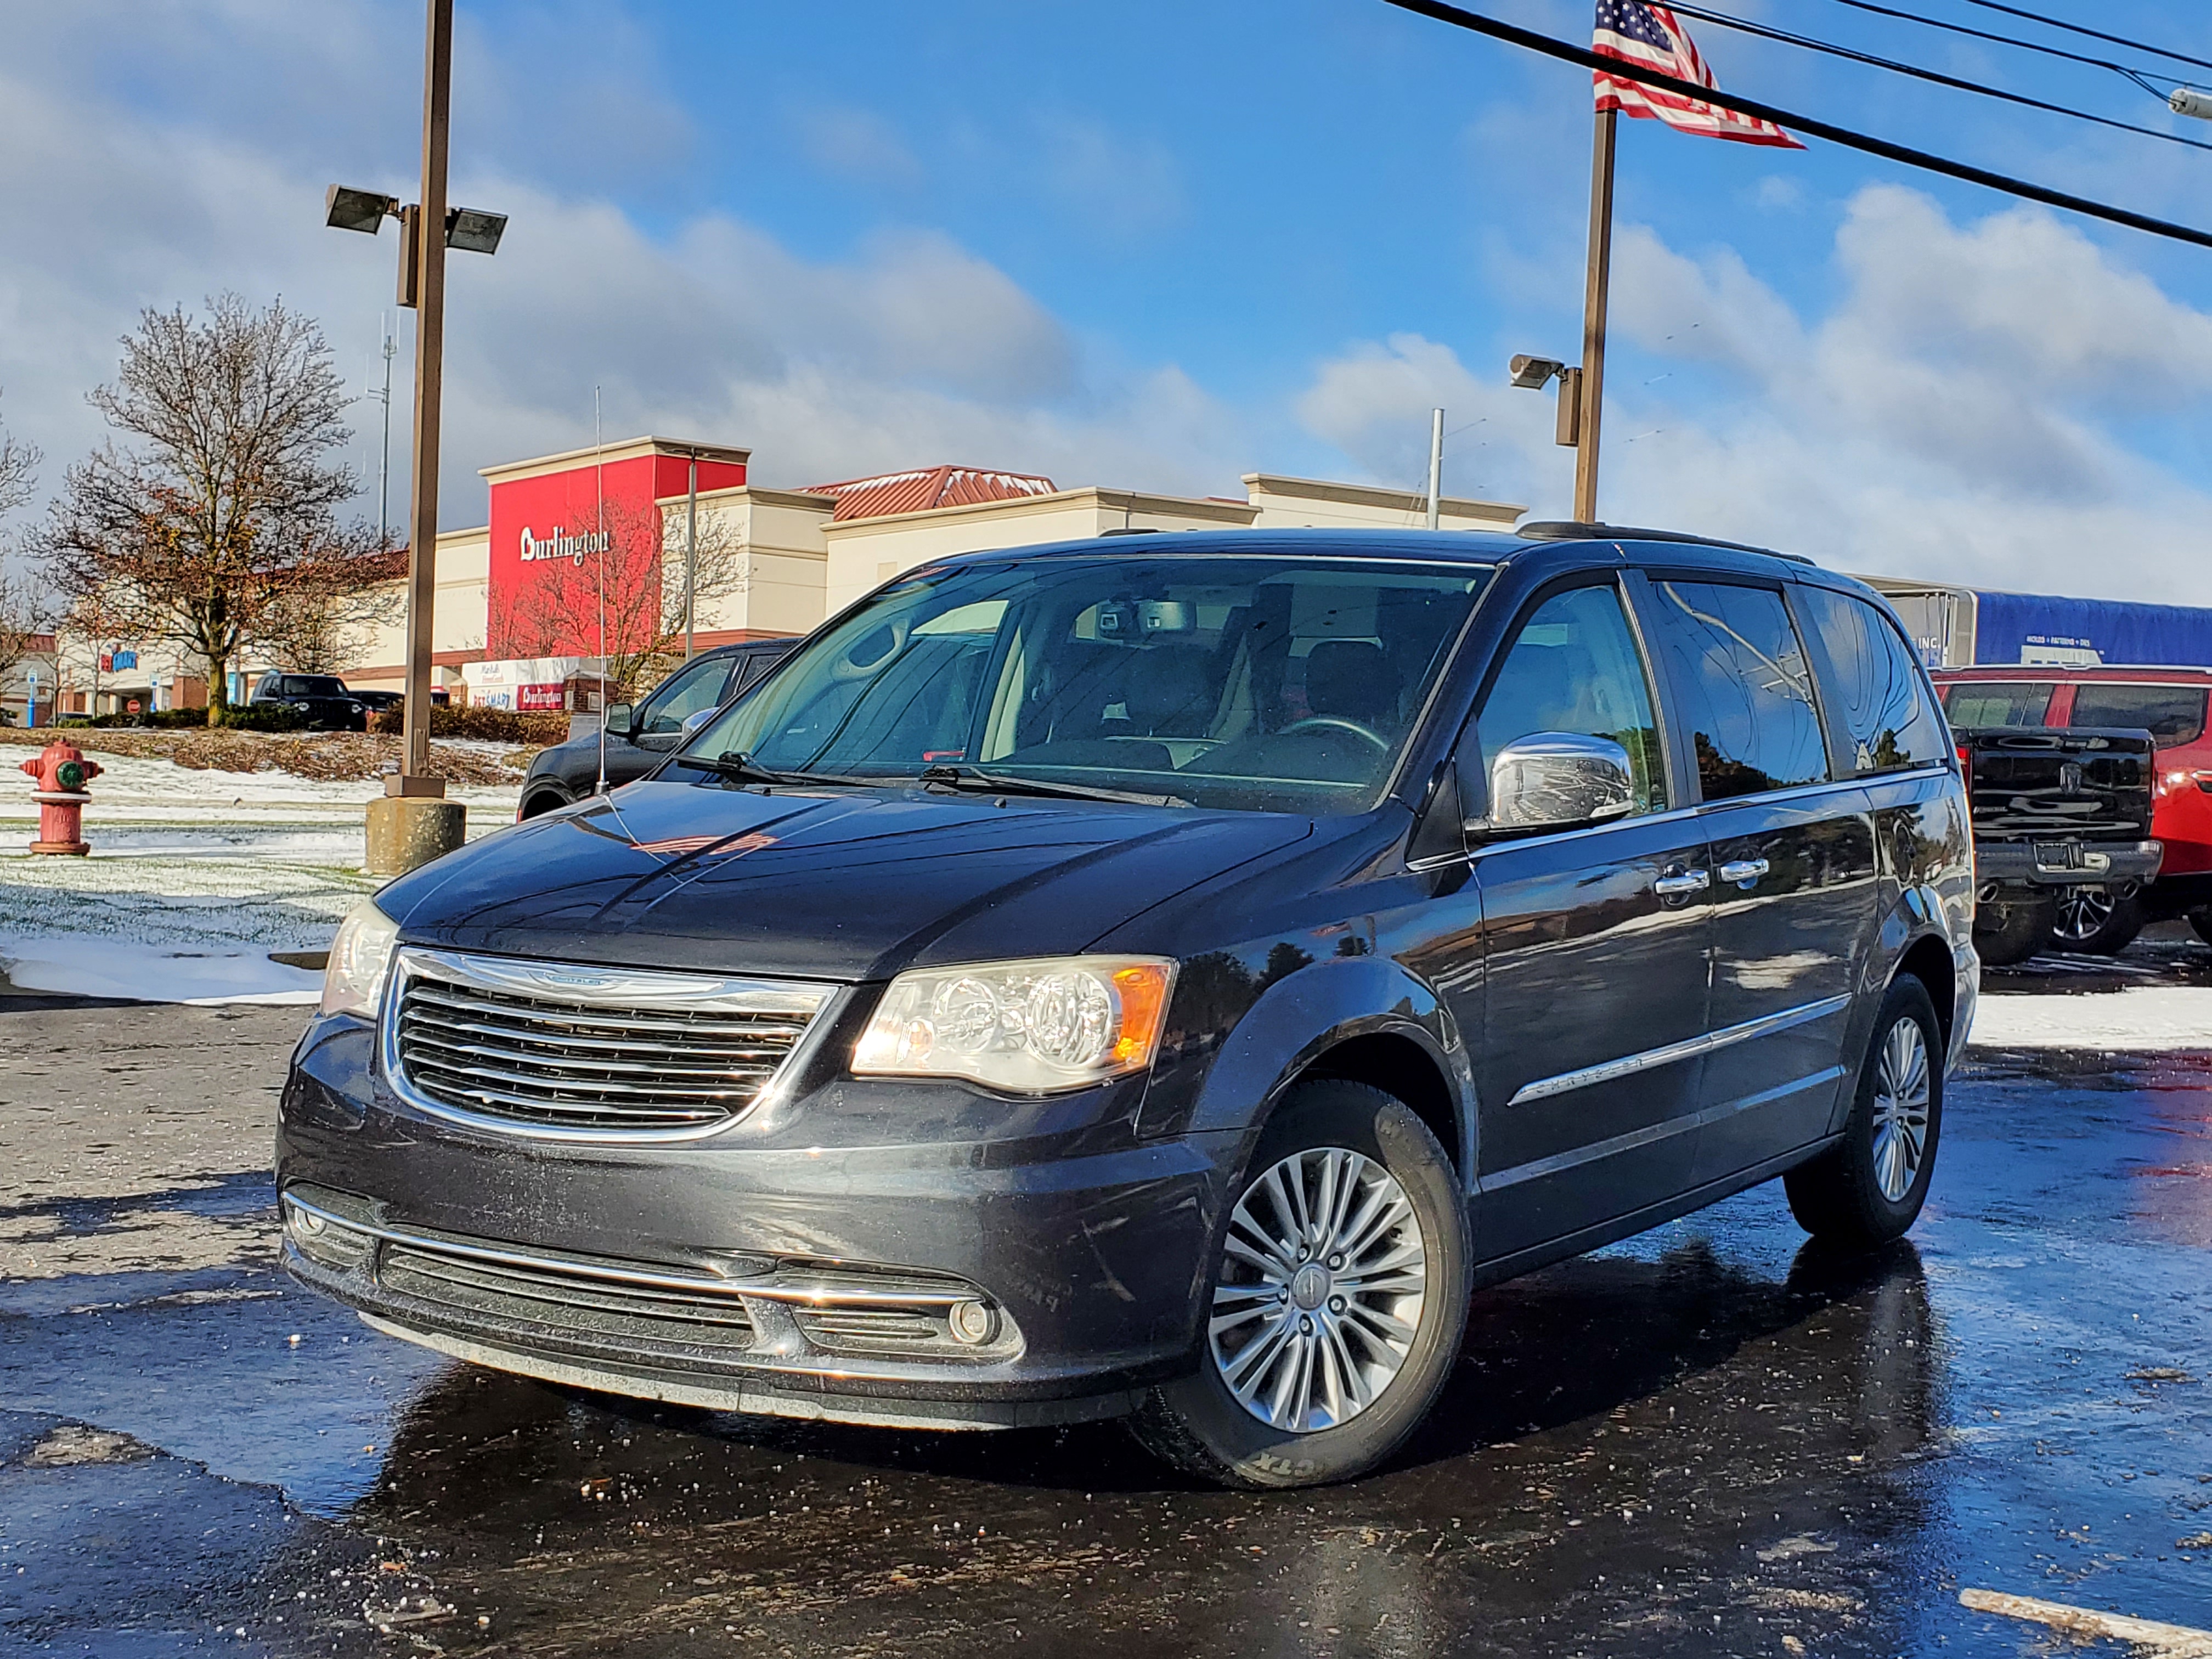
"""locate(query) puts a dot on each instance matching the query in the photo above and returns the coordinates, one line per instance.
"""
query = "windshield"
(1257, 684)
(314, 685)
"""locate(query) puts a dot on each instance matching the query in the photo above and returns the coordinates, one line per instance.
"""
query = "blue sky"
(1156, 246)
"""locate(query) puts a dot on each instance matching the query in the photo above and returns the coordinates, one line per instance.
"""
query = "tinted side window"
(1575, 667)
(1874, 684)
(1997, 702)
(2171, 714)
(1742, 686)
(688, 690)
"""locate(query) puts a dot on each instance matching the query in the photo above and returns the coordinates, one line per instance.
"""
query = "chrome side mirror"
(693, 722)
(1559, 781)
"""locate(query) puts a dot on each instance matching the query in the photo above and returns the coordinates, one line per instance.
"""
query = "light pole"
(414, 824)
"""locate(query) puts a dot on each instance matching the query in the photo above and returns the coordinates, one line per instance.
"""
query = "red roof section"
(933, 486)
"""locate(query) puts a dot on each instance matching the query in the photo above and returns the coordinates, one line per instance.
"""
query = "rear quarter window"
(1877, 694)
(2171, 714)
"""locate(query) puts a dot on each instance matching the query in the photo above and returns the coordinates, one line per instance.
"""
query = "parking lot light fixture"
(345, 207)
(1534, 373)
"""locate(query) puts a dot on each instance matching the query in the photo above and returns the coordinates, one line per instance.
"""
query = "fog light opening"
(973, 1323)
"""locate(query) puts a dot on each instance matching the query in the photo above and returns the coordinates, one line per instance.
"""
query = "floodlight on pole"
(413, 823)
(1534, 373)
(474, 231)
(345, 207)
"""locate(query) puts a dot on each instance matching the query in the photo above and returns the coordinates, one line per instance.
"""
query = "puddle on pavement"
(1706, 1439)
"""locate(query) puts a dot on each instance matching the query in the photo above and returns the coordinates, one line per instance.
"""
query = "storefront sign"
(538, 696)
(562, 546)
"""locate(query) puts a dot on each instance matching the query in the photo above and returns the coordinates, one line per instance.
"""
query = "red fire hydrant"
(59, 775)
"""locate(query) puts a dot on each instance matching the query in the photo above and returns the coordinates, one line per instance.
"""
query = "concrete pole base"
(405, 831)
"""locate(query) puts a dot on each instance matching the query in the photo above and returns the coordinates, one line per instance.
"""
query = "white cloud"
(908, 350)
(1972, 406)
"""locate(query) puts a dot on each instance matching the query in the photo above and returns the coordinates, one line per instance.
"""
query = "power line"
(2143, 78)
(1764, 32)
(1850, 139)
(2094, 34)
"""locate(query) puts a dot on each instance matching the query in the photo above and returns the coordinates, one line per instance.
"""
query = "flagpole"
(1595, 297)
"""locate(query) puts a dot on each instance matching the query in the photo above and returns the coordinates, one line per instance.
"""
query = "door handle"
(1688, 881)
(1743, 871)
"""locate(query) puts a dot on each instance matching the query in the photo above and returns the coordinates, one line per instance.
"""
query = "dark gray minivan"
(1161, 978)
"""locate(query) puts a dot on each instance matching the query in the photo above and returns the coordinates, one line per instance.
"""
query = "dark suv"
(323, 698)
(1161, 979)
(639, 739)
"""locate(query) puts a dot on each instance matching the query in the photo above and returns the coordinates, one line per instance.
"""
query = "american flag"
(1651, 36)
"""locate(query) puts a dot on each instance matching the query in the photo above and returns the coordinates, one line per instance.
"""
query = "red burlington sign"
(563, 525)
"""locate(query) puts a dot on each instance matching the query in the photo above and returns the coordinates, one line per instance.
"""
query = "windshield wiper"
(997, 783)
(743, 770)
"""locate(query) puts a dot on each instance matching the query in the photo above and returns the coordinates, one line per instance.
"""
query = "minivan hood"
(845, 885)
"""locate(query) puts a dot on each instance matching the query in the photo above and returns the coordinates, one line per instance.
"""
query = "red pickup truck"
(2167, 703)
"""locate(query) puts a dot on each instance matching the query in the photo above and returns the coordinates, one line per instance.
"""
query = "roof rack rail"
(1567, 530)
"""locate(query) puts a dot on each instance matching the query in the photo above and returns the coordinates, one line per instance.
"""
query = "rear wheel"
(2095, 920)
(1869, 1189)
(2008, 933)
(1337, 1302)
(2201, 919)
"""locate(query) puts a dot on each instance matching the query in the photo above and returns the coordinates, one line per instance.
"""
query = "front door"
(1794, 877)
(1595, 945)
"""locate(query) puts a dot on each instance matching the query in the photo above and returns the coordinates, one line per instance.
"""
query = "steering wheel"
(1335, 723)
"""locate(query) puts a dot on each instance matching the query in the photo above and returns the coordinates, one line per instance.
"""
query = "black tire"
(2201, 919)
(2010, 931)
(544, 801)
(2092, 921)
(1844, 1196)
(1197, 1425)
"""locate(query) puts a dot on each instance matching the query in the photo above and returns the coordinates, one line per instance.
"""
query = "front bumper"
(803, 1262)
(2026, 864)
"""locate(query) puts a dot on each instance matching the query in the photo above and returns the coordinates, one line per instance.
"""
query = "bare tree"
(221, 507)
(555, 608)
(323, 617)
(26, 616)
(19, 465)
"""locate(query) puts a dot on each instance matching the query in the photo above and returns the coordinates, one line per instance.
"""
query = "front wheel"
(1869, 1189)
(1337, 1301)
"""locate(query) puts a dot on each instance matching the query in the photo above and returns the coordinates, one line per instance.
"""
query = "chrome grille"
(564, 1050)
(548, 1300)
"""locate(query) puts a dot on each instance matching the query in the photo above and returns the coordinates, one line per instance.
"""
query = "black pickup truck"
(2062, 837)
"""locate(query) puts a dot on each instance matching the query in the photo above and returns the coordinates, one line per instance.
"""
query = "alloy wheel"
(1902, 1089)
(1320, 1297)
(2082, 911)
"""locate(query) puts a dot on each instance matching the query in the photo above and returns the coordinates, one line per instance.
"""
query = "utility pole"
(691, 559)
(1436, 468)
(1595, 296)
(426, 229)
(384, 456)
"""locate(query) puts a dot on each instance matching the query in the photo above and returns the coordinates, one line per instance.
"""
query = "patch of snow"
(90, 966)
(2141, 1019)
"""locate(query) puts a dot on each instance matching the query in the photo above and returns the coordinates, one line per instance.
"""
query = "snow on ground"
(194, 879)
(2137, 1019)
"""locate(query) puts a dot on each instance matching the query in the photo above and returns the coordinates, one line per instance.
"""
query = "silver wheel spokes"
(2081, 912)
(1901, 1096)
(1319, 1293)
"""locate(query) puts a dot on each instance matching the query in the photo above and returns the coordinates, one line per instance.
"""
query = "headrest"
(1352, 679)
(1170, 690)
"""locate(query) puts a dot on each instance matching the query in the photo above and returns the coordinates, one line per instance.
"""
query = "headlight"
(1031, 1027)
(360, 957)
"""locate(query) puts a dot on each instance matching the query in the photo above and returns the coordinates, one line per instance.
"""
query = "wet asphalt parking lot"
(1708, 1440)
